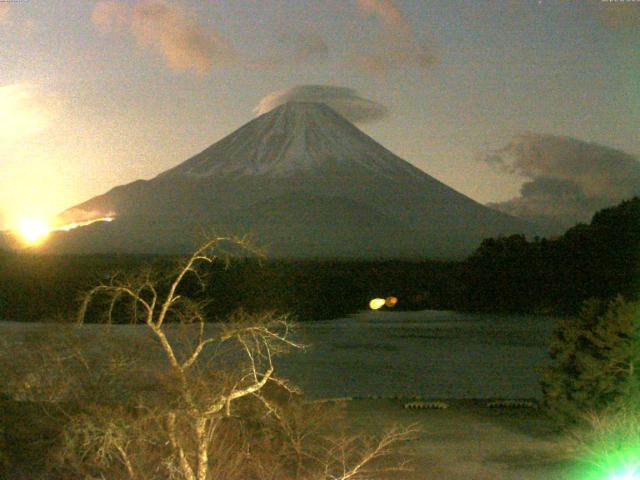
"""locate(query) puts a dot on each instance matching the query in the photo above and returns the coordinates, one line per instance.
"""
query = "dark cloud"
(345, 101)
(167, 28)
(597, 169)
(554, 187)
(568, 179)
(552, 203)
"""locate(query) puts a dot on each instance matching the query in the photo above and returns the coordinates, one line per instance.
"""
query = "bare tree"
(215, 409)
(259, 338)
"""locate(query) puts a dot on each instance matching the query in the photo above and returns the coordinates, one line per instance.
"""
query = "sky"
(519, 104)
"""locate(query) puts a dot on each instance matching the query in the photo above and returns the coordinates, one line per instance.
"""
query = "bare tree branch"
(203, 412)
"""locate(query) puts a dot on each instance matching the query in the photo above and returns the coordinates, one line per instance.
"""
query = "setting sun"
(33, 231)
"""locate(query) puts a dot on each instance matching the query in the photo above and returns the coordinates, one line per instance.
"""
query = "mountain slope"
(306, 182)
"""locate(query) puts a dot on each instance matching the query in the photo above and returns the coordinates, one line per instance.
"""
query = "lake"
(431, 354)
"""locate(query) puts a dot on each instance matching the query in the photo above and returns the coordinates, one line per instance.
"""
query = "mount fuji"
(303, 182)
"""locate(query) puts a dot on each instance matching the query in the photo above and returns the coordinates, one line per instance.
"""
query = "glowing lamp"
(390, 302)
(617, 460)
(631, 474)
(377, 303)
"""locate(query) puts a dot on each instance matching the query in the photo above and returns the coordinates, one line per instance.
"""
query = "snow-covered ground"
(434, 354)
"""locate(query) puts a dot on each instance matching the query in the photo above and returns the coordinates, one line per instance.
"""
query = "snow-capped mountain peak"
(292, 138)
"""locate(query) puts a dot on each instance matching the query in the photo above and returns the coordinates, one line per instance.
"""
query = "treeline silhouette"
(34, 287)
(599, 260)
(507, 275)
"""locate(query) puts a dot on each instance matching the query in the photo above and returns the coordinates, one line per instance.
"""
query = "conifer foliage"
(594, 360)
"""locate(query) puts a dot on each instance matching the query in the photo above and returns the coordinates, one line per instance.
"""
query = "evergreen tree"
(594, 360)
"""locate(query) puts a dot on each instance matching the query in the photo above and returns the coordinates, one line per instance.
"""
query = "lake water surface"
(432, 354)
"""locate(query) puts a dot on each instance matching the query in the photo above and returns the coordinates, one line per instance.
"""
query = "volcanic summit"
(303, 182)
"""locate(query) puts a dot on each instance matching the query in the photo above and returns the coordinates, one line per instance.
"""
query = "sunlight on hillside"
(71, 226)
(33, 232)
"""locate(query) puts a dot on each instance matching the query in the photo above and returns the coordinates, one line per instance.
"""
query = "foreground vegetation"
(178, 402)
(592, 387)
(465, 441)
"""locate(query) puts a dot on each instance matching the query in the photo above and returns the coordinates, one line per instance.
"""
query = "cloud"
(297, 48)
(184, 44)
(22, 28)
(24, 111)
(396, 46)
(387, 10)
(110, 16)
(5, 9)
(307, 46)
(345, 101)
(399, 57)
(166, 28)
(567, 179)
(619, 15)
